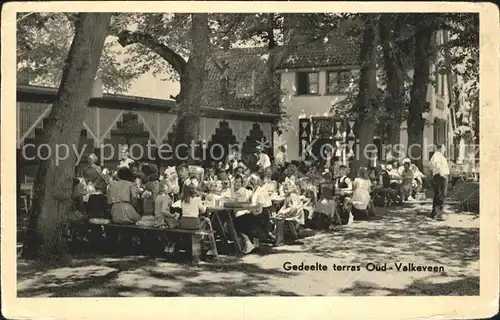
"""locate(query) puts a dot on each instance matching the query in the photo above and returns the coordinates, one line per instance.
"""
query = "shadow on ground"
(405, 234)
(402, 236)
(144, 276)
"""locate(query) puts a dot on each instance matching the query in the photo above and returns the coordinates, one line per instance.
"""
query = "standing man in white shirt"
(440, 172)
(280, 158)
(264, 160)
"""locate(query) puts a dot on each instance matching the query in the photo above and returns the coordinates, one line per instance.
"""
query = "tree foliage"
(43, 43)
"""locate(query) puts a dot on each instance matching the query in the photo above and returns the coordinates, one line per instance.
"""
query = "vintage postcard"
(241, 160)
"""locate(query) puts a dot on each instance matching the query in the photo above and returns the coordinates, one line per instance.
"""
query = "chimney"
(97, 90)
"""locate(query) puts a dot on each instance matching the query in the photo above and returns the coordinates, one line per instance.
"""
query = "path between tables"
(402, 236)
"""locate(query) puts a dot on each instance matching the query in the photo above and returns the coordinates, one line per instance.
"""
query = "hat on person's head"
(406, 160)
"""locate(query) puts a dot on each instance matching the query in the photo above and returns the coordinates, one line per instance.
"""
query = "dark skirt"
(192, 223)
(257, 226)
(358, 214)
(97, 207)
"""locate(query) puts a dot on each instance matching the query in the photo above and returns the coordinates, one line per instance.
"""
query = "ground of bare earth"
(401, 236)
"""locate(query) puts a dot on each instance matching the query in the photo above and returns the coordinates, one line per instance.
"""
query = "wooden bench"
(195, 237)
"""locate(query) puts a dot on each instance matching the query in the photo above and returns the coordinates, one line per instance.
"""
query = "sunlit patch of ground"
(402, 236)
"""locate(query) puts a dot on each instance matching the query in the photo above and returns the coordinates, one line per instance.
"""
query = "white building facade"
(311, 91)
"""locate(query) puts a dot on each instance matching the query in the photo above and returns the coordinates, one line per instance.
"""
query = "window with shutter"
(307, 83)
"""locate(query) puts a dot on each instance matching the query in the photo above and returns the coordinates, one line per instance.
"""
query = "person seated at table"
(272, 186)
(151, 191)
(343, 182)
(193, 211)
(407, 181)
(122, 196)
(247, 222)
(292, 205)
(384, 177)
(97, 205)
(222, 167)
(163, 204)
(343, 187)
(395, 180)
(233, 157)
(240, 170)
(77, 210)
(211, 175)
(362, 207)
(327, 175)
(192, 205)
(261, 217)
(182, 175)
(309, 192)
(241, 194)
(324, 210)
(225, 187)
(418, 179)
(107, 175)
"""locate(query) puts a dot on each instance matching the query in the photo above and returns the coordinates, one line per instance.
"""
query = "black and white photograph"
(247, 154)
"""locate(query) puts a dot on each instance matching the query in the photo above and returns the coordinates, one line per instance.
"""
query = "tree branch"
(126, 38)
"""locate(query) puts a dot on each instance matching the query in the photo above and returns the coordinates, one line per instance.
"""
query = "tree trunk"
(54, 181)
(367, 97)
(424, 49)
(394, 70)
(188, 120)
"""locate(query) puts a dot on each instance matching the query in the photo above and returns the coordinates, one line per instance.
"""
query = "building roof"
(339, 51)
(27, 93)
(224, 69)
(227, 65)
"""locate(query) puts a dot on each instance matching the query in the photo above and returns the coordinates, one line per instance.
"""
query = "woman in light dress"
(362, 208)
(292, 208)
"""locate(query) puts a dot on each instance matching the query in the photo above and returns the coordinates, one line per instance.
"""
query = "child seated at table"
(77, 209)
(343, 187)
(151, 191)
(407, 176)
(193, 211)
(163, 204)
(362, 207)
(257, 222)
(292, 205)
(307, 189)
(97, 205)
(324, 210)
(192, 205)
(225, 182)
(241, 194)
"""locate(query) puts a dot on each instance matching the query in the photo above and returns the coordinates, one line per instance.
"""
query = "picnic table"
(227, 212)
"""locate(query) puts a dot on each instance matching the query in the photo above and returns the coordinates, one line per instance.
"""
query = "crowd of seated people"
(300, 192)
